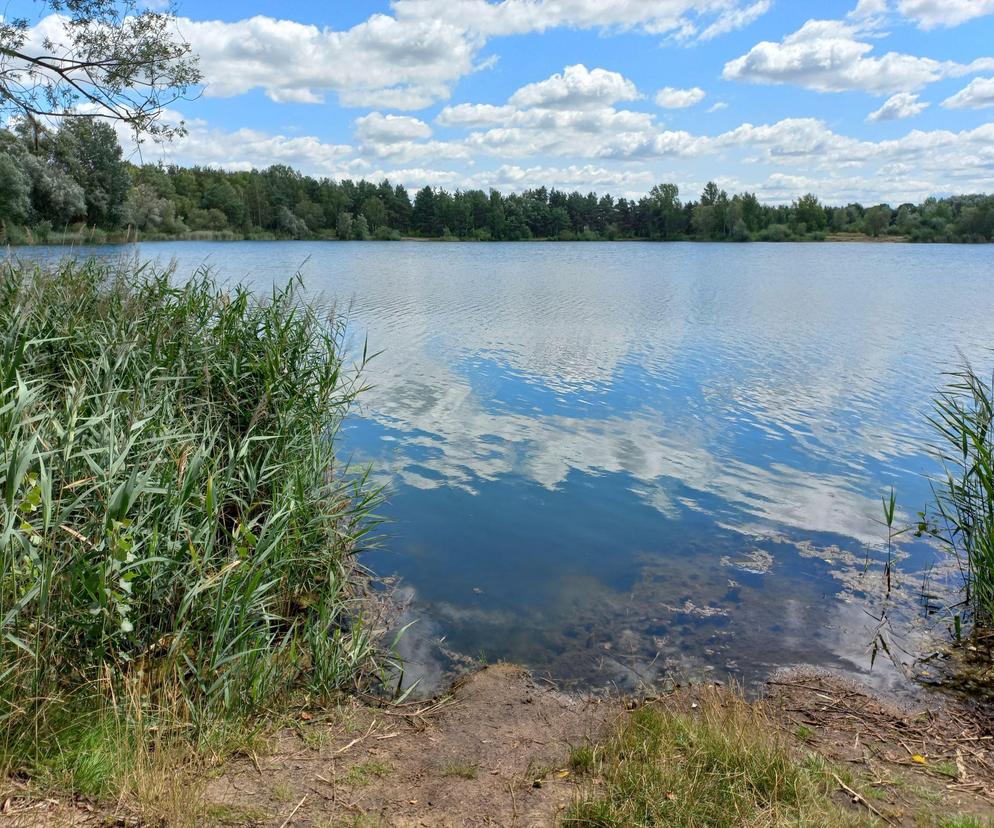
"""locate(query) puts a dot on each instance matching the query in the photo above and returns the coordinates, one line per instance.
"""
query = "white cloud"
(246, 149)
(598, 133)
(869, 8)
(670, 98)
(899, 106)
(576, 88)
(412, 59)
(717, 106)
(828, 56)
(735, 19)
(978, 94)
(787, 158)
(931, 14)
(399, 139)
(389, 129)
(379, 62)
(474, 115)
(508, 17)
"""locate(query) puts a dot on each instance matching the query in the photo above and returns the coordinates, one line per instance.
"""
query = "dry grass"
(720, 762)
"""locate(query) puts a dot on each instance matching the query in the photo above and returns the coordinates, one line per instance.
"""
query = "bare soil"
(494, 753)
(908, 763)
(495, 750)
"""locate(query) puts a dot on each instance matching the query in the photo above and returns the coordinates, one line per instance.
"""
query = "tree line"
(73, 184)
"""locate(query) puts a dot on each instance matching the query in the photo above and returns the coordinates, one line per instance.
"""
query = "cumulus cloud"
(899, 106)
(829, 56)
(796, 155)
(247, 149)
(671, 98)
(390, 129)
(508, 17)
(400, 139)
(595, 133)
(566, 114)
(411, 59)
(379, 62)
(474, 115)
(576, 88)
(931, 14)
(978, 94)
(869, 8)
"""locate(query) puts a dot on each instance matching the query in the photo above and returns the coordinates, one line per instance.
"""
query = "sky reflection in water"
(616, 462)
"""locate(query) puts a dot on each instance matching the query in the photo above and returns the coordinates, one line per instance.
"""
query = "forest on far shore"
(74, 185)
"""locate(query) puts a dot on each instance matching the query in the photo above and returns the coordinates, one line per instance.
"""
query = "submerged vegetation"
(176, 541)
(72, 185)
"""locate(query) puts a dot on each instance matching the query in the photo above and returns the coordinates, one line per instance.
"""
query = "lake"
(620, 463)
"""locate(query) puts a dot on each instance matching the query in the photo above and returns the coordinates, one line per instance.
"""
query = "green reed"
(963, 502)
(173, 524)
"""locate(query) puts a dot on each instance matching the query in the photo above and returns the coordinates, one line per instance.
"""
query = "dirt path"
(495, 754)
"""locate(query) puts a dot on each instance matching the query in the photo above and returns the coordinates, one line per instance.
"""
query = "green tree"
(89, 151)
(375, 213)
(809, 212)
(144, 209)
(711, 194)
(665, 211)
(15, 191)
(224, 197)
(877, 220)
(423, 214)
(361, 228)
(119, 58)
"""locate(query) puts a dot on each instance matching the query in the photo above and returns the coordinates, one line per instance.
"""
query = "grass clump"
(462, 770)
(722, 764)
(365, 772)
(175, 539)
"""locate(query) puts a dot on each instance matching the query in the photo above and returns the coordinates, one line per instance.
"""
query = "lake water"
(616, 463)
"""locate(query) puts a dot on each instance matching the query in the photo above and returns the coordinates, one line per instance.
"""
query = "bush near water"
(173, 528)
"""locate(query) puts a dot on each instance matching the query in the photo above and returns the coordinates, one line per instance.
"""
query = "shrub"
(776, 233)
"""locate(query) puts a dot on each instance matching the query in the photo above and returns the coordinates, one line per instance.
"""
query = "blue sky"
(774, 96)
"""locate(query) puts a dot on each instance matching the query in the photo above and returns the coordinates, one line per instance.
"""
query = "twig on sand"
(290, 815)
(858, 797)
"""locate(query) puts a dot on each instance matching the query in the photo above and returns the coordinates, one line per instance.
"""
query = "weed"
(365, 772)
(460, 769)
(582, 759)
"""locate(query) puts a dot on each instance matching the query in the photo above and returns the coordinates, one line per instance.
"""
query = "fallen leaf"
(671, 796)
(919, 759)
(562, 774)
(413, 801)
(306, 717)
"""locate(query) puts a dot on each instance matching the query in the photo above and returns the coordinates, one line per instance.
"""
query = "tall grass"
(963, 505)
(173, 528)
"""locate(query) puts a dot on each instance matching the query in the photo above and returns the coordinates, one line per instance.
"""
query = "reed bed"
(962, 515)
(176, 539)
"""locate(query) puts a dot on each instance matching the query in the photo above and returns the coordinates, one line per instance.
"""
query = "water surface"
(621, 462)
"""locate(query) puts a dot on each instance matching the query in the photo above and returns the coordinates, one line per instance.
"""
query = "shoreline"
(501, 748)
(132, 239)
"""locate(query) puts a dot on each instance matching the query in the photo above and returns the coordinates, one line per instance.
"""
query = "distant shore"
(103, 238)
